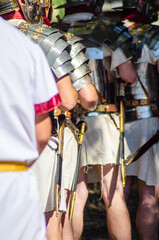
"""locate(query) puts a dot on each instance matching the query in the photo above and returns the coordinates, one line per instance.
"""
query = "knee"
(82, 190)
(82, 194)
(113, 197)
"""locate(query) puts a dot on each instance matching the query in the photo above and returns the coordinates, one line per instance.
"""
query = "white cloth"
(26, 81)
(101, 144)
(20, 207)
(45, 170)
(72, 18)
(23, 60)
(136, 134)
(70, 158)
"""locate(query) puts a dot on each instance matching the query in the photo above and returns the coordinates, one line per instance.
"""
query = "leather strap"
(57, 112)
(137, 102)
(106, 108)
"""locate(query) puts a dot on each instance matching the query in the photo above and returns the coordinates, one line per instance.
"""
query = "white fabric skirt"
(100, 147)
(20, 208)
(147, 167)
(45, 170)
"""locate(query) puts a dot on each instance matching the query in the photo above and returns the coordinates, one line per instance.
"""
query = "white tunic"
(27, 86)
(138, 132)
(22, 60)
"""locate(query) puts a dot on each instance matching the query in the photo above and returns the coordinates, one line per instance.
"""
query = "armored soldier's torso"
(93, 51)
(97, 62)
(102, 37)
(143, 94)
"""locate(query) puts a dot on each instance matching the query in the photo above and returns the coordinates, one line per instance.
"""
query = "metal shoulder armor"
(113, 35)
(152, 38)
(54, 45)
(80, 76)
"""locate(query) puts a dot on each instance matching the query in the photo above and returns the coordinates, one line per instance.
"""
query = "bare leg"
(81, 198)
(157, 196)
(118, 220)
(128, 187)
(53, 225)
(147, 213)
(67, 231)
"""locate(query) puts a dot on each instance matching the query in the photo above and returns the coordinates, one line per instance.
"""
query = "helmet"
(150, 10)
(96, 5)
(7, 6)
(32, 10)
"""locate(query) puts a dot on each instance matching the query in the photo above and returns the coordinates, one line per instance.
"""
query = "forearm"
(88, 97)
(127, 72)
(67, 93)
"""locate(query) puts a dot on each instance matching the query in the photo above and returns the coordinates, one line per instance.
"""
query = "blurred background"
(108, 5)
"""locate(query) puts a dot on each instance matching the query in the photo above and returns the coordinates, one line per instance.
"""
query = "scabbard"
(154, 139)
(58, 182)
(75, 180)
(62, 123)
(122, 153)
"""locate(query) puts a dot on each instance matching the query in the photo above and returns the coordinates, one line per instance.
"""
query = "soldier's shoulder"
(54, 45)
(152, 37)
(113, 34)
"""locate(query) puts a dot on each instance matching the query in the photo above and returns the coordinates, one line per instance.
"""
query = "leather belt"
(79, 110)
(101, 108)
(106, 108)
(10, 166)
(140, 112)
(137, 102)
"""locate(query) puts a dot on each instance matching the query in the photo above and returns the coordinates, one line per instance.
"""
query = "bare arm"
(43, 130)
(67, 93)
(88, 97)
(127, 72)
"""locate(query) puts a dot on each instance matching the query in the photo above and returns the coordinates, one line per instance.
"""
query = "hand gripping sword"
(61, 125)
(121, 95)
(154, 139)
(82, 125)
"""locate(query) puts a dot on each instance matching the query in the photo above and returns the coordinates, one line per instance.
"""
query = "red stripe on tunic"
(48, 106)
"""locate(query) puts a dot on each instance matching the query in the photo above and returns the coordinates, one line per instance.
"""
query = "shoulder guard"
(145, 34)
(113, 35)
(54, 45)
(80, 76)
(152, 38)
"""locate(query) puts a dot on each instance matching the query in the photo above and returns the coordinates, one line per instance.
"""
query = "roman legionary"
(67, 60)
(110, 52)
(141, 110)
